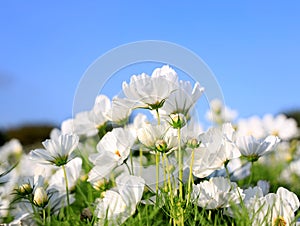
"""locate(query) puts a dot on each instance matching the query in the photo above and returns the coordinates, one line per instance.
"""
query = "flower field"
(143, 158)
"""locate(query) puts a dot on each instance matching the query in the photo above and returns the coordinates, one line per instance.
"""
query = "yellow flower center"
(275, 133)
(117, 153)
(279, 221)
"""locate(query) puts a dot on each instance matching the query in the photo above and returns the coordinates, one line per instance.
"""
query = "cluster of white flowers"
(162, 154)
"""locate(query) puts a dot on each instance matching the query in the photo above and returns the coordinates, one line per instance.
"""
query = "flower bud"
(192, 143)
(40, 197)
(100, 184)
(161, 145)
(177, 120)
(25, 189)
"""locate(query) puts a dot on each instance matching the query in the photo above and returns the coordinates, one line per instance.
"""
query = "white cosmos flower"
(118, 142)
(34, 169)
(57, 151)
(28, 184)
(10, 148)
(191, 130)
(206, 160)
(253, 148)
(264, 185)
(251, 196)
(73, 169)
(236, 169)
(281, 126)
(216, 193)
(87, 123)
(274, 209)
(251, 126)
(117, 206)
(139, 121)
(157, 137)
(120, 110)
(182, 100)
(151, 91)
(216, 149)
(292, 168)
(23, 211)
(113, 149)
(219, 113)
(10, 153)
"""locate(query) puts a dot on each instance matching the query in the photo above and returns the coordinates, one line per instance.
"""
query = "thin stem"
(67, 190)
(157, 160)
(131, 163)
(173, 208)
(169, 179)
(44, 216)
(164, 169)
(157, 174)
(128, 168)
(209, 215)
(251, 174)
(48, 214)
(180, 165)
(227, 172)
(82, 194)
(158, 117)
(180, 175)
(191, 181)
(33, 208)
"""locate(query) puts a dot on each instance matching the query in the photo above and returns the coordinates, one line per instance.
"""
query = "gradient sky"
(253, 48)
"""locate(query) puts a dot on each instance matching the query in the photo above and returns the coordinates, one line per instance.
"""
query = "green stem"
(180, 175)
(128, 168)
(169, 179)
(157, 174)
(209, 215)
(157, 160)
(227, 172)
(191, 181)
(67, 190)
(158, 117)
(131, 163)
(85, 199)
(173, 207)
(180, 165)
(44, 216)
(34, 210)
(164, 169)
(251, 174)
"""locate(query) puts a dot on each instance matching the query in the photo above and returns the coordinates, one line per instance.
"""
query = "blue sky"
(252, 47)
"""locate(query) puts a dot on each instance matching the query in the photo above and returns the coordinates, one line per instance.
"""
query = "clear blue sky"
(252, 47)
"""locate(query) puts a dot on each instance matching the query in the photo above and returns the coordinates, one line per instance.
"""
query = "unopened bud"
(161, 145)
(40, 197)
(100, 184)
(193, 143)
(177, 120)
(25, 189)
